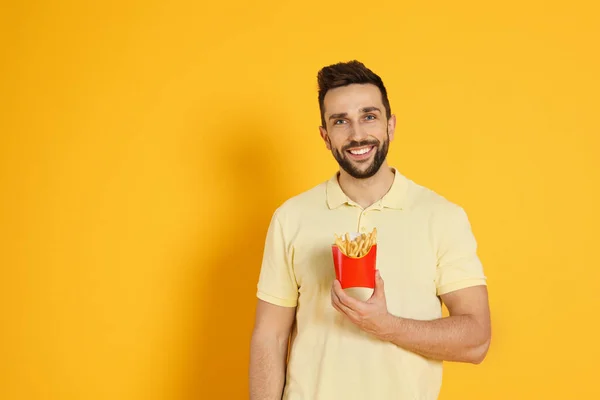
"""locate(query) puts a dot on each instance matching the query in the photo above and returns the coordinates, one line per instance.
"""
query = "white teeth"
(360, 151)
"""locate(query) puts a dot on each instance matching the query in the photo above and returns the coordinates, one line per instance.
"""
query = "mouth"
(360, 153)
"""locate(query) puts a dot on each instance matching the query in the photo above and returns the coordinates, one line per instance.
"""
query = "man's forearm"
(456, 338)
(267, 368)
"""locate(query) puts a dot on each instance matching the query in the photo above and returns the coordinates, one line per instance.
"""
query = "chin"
(362, 173)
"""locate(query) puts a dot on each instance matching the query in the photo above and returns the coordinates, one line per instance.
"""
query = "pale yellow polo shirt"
(425, 248)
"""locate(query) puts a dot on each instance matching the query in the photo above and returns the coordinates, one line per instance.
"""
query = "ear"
(325, 137)
(392, 126)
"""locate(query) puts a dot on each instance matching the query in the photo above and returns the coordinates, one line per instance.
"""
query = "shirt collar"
(395, 198)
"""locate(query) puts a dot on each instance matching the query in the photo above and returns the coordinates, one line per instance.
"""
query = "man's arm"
(464, 336)
(268, 350)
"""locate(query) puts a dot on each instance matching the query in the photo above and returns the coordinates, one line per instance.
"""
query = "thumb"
(379, 285)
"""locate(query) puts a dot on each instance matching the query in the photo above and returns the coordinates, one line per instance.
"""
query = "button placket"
(361, 223)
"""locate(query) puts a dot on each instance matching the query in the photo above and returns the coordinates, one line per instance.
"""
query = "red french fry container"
(355, 271)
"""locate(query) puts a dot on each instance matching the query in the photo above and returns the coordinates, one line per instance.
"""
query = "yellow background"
(145, 144)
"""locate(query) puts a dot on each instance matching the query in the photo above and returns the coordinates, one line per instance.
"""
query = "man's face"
(358, 132)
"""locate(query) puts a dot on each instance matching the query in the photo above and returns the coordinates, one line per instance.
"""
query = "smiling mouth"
(361, 151)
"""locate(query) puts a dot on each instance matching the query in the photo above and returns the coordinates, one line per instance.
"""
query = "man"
(392, 345)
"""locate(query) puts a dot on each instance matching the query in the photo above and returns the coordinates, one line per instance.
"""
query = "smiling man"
(311, 339)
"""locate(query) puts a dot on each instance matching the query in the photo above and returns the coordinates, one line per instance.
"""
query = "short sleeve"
(277, 283)
(458, 265)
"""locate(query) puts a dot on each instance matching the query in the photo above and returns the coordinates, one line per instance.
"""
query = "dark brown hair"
(347, 73)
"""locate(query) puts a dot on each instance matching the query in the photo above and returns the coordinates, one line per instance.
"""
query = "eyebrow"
(336, 116)
(362, 110)
(369, 109)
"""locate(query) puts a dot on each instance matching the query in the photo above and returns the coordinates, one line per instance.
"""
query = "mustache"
(363, 143)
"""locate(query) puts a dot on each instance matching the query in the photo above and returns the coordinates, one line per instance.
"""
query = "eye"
(338, 122)
(370, 117)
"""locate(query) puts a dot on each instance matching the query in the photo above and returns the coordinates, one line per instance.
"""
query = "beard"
(381, 150)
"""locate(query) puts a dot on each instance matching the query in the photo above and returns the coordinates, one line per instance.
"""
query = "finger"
(346, 300)
(337, 290)
(379, 291)
(337, 304)
(338, 308)
(379, 283)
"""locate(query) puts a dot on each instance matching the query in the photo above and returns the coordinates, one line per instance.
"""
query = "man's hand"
(371, 315)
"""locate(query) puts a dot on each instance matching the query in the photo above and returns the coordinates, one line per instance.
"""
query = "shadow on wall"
(251, 185)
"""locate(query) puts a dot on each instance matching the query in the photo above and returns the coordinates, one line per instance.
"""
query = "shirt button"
(363, 229)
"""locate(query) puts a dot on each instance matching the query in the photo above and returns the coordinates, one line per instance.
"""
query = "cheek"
(379, 129)
(379, 133)
(337, 140)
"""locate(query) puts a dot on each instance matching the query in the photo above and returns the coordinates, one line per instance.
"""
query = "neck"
(365, 192)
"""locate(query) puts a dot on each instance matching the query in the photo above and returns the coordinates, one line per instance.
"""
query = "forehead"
(352, 98)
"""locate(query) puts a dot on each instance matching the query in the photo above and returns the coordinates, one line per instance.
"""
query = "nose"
(358, 133)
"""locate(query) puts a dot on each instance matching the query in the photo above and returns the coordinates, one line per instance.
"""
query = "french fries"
(358, 247)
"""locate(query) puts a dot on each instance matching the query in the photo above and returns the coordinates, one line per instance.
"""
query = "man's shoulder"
(444, 216)
(426, 199)
(308, 200)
